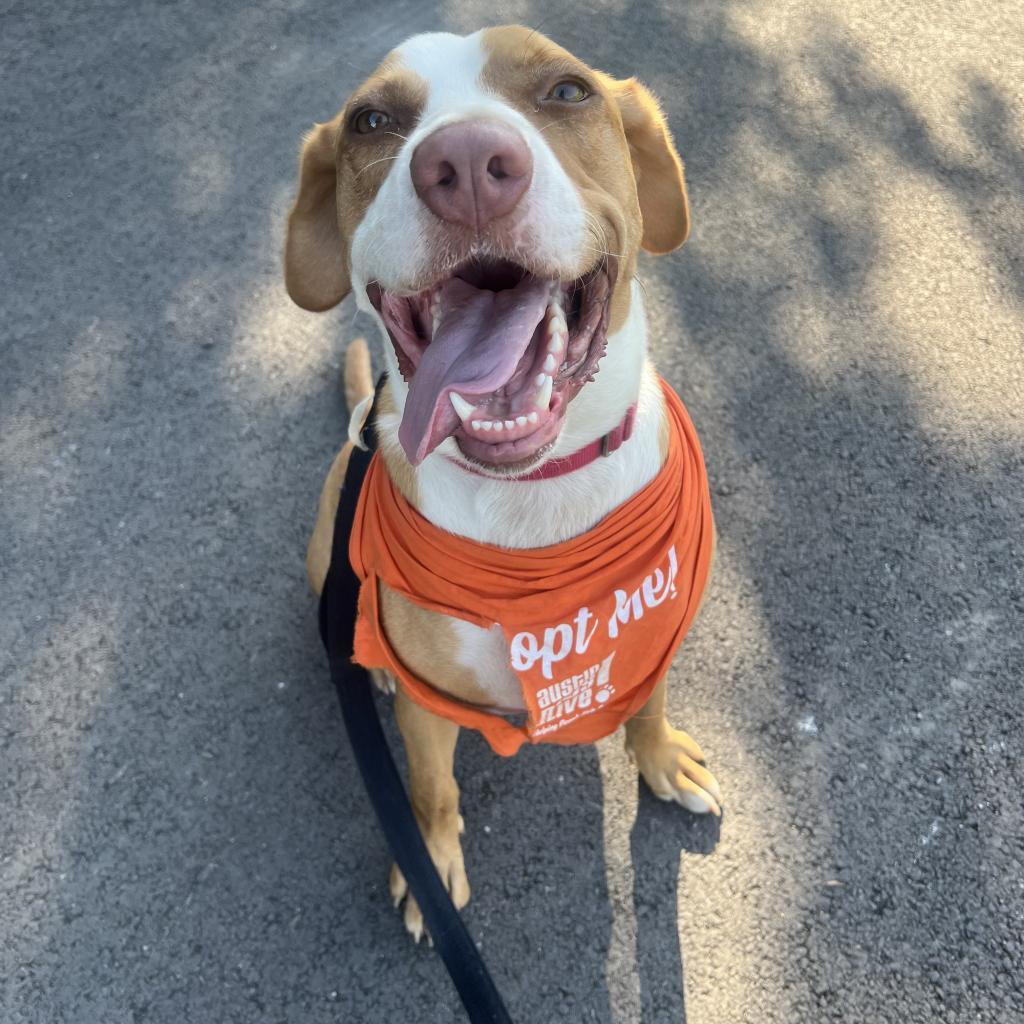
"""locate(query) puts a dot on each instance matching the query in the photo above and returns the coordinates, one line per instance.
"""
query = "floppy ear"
(315, 262)
(660, 185)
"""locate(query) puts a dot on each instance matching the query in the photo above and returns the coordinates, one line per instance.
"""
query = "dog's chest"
(485, 652)
(534, 515)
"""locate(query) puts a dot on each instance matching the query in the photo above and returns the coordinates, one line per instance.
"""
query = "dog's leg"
(669, 760)
(358, 384)
(318, 553)
(430, 748)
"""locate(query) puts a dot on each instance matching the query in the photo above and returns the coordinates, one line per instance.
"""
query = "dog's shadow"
(546, 854)
(661, 833)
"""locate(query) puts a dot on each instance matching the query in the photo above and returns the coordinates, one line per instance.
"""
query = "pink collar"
(579, 458)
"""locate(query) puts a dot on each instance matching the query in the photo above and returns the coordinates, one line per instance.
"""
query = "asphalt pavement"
(183, 837)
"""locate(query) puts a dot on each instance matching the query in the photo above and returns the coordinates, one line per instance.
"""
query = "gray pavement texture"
(183, 837)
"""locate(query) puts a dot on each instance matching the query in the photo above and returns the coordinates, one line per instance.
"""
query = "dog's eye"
(569, 91)
(367, 121)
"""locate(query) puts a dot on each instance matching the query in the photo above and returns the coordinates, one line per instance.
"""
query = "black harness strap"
(338, 604)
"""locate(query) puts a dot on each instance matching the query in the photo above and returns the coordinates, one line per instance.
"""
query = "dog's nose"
(472, 172)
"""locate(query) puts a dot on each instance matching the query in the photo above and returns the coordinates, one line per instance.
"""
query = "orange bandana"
(592, 623)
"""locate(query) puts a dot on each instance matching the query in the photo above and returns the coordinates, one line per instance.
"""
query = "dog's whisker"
(534, 31)
(383, 159)
(604, 252)
(360, 70)
(598, 229)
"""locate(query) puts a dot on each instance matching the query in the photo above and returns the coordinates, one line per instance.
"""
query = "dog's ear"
(660, 185)
(315, 262)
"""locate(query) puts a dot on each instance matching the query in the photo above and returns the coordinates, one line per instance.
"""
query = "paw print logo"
(604, 680)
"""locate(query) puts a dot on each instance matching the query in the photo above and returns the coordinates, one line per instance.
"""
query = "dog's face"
(486, 197)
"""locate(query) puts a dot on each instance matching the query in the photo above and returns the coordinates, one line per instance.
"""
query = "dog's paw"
(671, 764)
(446, 852)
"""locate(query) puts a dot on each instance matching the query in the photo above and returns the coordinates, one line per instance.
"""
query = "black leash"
(338, 604)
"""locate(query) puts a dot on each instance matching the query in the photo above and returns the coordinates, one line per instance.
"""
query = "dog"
(485, 198)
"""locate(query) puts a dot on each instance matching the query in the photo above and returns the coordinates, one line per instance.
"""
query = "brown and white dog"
(462, 173)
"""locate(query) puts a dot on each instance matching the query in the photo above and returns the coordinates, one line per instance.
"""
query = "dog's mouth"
(493, 354)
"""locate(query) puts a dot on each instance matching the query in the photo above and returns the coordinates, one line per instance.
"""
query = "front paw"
(446, 853)
(669, 760)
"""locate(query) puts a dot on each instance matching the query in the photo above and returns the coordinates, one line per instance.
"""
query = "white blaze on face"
(399, 239)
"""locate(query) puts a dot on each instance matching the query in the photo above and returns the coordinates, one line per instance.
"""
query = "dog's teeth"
(486, 424)
(461, 406)
(532, 418)
(520, 421)
(543, 399)
(498, 425)
(477, 425)
(549, 363)
(557, 332)
(509, 424)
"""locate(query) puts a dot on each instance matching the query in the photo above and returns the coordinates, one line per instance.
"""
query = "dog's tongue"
(480, 338)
